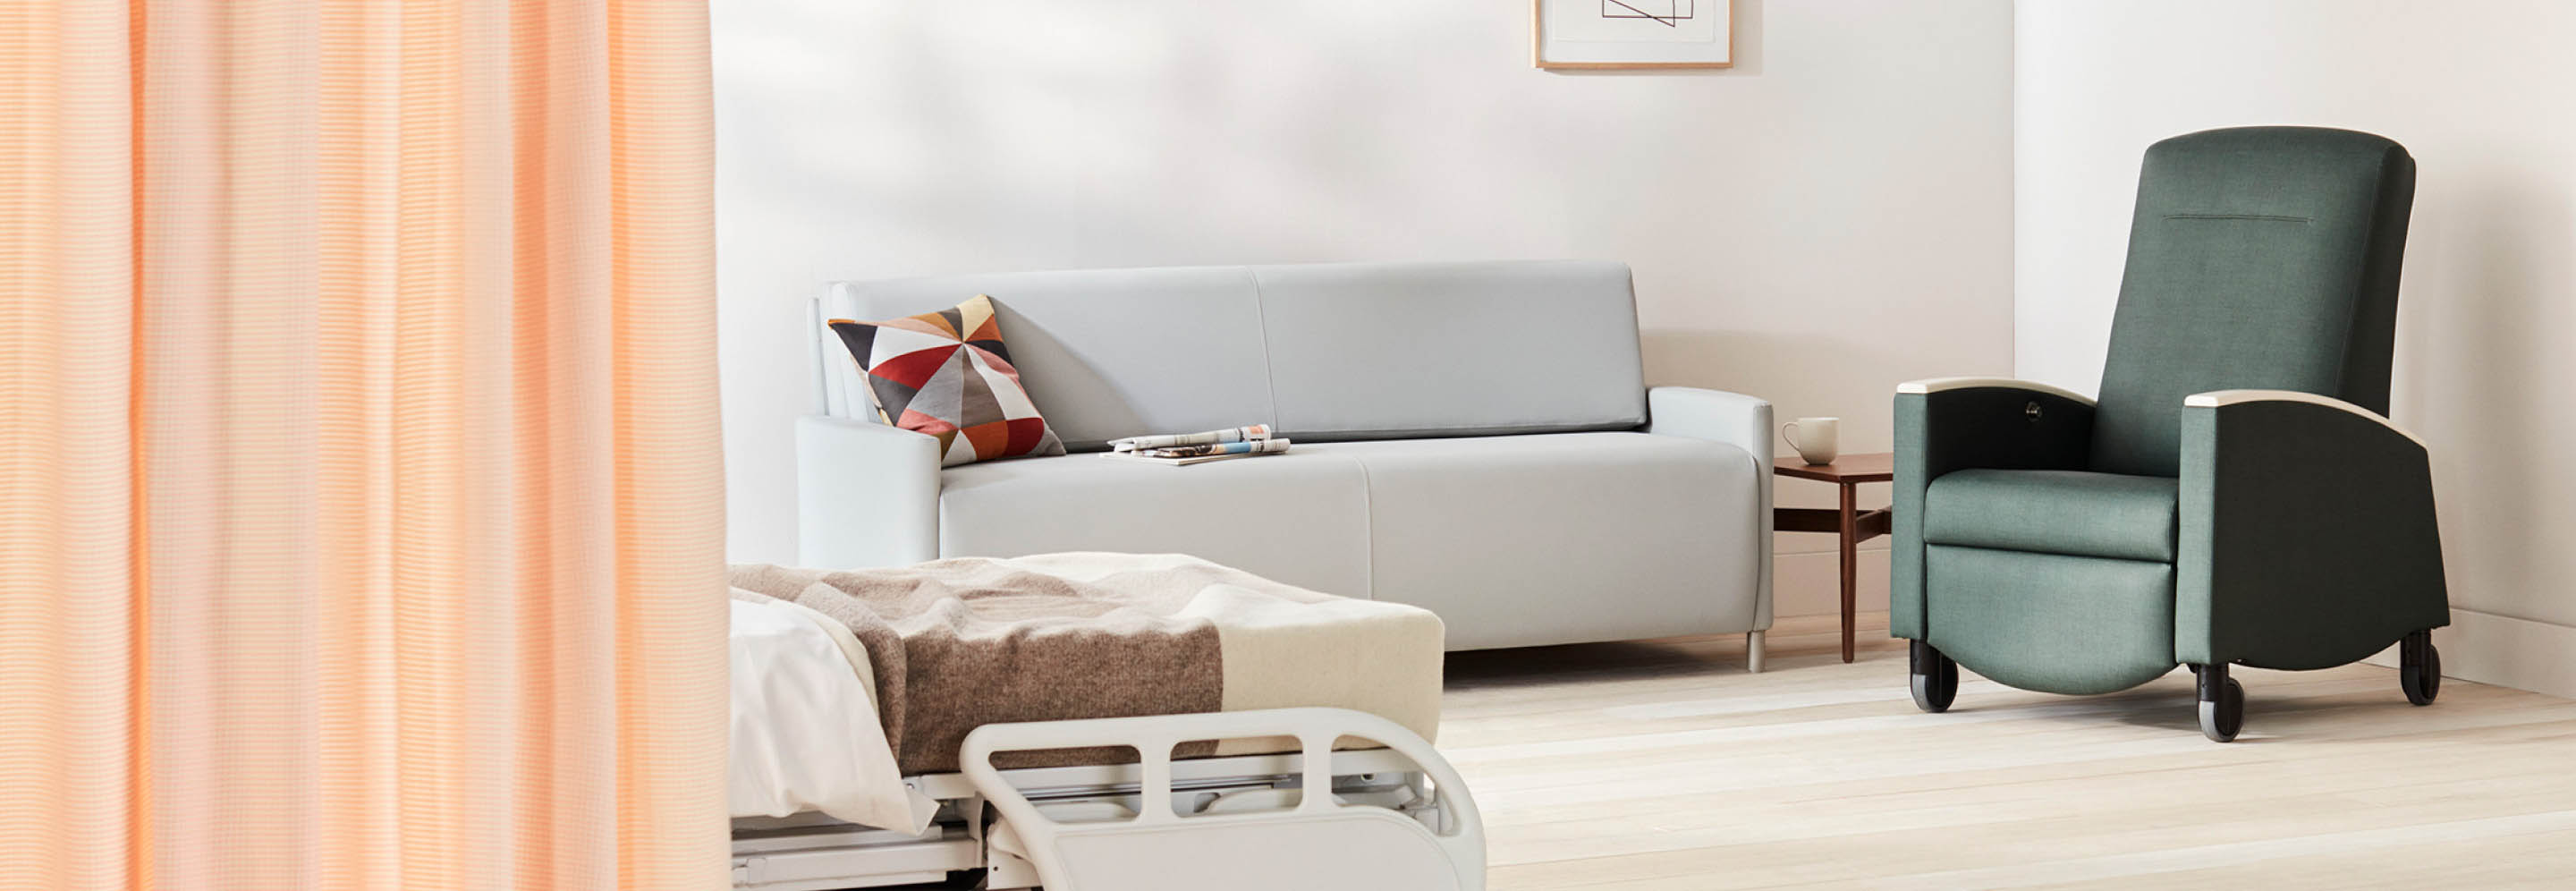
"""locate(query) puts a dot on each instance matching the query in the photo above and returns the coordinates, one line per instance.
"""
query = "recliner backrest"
(2259, 258)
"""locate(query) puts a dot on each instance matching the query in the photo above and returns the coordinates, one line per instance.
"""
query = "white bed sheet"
(805, 734)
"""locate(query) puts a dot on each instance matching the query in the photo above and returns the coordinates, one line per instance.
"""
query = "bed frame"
(1399, 816)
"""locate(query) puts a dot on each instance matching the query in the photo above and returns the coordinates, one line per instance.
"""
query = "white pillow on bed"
(805, 733)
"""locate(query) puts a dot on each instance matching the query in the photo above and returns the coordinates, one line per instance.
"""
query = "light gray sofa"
(1473, 438)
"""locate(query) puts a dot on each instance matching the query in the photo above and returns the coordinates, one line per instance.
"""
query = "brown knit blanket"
(956, 644)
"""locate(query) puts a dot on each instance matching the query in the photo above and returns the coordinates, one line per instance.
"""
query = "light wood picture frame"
(1629, 35)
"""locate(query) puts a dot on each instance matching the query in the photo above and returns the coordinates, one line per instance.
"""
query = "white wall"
(1828, 218)
(2480, 93)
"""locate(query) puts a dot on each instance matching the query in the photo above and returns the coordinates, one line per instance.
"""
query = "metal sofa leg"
(1753, 652)
(2222, 704)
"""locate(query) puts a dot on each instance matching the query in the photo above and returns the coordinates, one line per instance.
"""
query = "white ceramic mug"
(1817, 440)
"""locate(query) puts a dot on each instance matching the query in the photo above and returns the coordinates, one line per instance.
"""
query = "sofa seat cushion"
(2053, 512)
(1300, 517)
(1512, 540)
(1519, 540)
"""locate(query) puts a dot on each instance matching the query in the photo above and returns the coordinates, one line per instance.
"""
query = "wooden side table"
(1852, 523)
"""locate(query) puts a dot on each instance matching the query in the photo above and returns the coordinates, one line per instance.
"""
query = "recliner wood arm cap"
(1938, 384)
(2224, 398)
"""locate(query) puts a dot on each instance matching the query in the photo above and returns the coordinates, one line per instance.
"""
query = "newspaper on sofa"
(1247, 433)
(1195, 448)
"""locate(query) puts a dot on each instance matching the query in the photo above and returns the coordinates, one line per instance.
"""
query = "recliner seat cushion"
(2053, 622)
(2070, 512)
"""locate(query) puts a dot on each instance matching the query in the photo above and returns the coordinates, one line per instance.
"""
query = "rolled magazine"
(1254, 447)
(1181, 456)
(1253, 433)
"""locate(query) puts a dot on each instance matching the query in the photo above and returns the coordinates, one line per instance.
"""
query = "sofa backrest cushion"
(1104, 353)
(1398, 350)
(1321, 352)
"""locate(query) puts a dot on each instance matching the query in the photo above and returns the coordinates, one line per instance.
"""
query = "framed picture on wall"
(1617, 34)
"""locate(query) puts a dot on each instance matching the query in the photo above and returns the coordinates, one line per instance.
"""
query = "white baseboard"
(2504, 651)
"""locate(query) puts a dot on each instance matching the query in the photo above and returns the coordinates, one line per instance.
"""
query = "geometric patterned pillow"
(947, 374)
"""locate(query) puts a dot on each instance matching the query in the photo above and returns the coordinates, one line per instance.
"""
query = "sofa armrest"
(1954, 423)
(1738, 420)
(867, 494)
(1716, 415)
(2306, 537)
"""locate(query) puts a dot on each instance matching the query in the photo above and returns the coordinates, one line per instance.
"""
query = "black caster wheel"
(1935, 678)
(2419, 668)
(2222, 704)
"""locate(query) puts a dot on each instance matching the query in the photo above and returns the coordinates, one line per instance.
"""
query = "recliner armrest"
(867, 494)
(1952, 423)
(1735, 419)
(2224, 398)
(2300, 511)
(1955, 423)
(1945, 384)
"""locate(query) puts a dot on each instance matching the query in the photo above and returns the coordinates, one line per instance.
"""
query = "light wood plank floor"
(1663, 765)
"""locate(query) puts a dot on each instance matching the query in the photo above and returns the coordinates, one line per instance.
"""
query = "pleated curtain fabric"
(362, 499)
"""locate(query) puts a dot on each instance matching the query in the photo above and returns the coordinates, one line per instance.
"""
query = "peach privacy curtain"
(362, 502)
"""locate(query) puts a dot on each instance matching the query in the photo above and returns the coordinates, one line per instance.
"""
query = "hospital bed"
(1082, 802)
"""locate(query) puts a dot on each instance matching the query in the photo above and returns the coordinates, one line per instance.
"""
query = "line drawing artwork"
(1634, 34)
(1672, 14)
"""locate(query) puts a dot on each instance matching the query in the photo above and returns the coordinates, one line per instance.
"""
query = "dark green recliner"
(2236, 497)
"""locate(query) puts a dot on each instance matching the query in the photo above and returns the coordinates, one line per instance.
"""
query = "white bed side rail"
(1319, 843)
